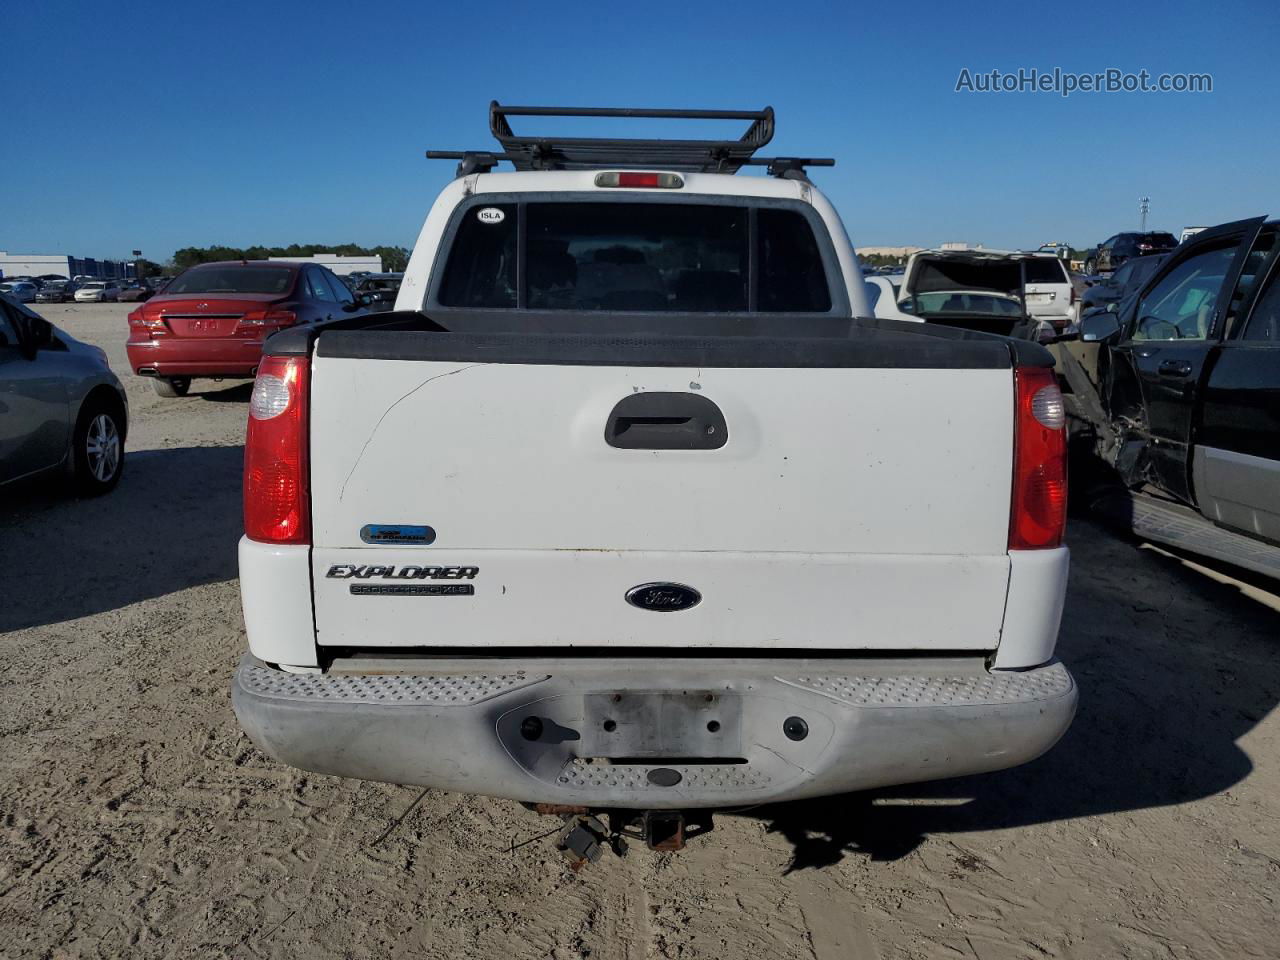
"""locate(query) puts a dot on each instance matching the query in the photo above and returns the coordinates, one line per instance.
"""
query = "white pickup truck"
(626, 506)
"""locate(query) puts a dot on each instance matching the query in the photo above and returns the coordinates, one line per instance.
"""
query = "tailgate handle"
(666, 421)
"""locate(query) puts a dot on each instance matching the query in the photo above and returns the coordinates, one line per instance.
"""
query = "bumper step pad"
(1046, 683)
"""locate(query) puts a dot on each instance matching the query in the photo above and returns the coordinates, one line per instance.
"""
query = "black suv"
(381, 290)
(1114, 251)
(1177, 393)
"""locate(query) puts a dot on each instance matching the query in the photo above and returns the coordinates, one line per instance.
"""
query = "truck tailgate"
(860, 505)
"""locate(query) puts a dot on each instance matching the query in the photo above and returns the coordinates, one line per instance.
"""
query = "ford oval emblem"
(663, 597)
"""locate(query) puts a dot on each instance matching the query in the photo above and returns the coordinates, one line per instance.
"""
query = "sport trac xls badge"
(352, 571)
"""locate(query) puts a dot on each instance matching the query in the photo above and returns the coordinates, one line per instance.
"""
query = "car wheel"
(99, 450)
(172, 386)
(1091, 267)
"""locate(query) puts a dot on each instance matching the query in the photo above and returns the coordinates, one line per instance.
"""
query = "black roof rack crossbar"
(790, 168)
(585, 153)
(577, 153)
(470, 161)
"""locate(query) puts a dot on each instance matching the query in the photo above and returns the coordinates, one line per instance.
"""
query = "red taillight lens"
(1039, 510)
(138, 320)
(623, 178)
(277, 498)
(637, 179)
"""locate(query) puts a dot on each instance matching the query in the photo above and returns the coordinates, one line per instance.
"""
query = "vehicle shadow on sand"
(237, 393)
(172, 523)
(1173, 668)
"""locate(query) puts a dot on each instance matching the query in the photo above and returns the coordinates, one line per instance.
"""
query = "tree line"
(394, 259)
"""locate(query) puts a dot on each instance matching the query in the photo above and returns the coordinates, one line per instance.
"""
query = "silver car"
(61, 407)
(20, 290)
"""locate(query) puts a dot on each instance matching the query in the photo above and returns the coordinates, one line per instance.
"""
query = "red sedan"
(211, 320)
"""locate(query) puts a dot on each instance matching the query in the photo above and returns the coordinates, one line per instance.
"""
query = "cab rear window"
(648, 257)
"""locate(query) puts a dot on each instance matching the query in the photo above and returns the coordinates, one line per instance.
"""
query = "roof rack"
(585, 153)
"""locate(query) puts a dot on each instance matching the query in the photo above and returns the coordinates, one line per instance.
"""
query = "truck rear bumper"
(651, 733)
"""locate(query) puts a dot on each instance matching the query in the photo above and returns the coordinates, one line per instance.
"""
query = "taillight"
(268, 318)
(276, 459)
(1039, 510)
(624, 178)
(138, 320)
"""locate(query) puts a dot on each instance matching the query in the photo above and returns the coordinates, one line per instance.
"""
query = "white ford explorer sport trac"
(631, 505)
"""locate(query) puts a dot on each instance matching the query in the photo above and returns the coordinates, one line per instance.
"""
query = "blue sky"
(154, 126)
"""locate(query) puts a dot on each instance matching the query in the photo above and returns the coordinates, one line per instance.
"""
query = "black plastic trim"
(887, 351)
(871, 341)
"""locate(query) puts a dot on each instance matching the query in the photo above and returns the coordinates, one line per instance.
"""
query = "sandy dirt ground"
(137, 821)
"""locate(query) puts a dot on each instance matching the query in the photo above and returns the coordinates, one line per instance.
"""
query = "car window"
(1120, 279)
(1045, 270)
(981, 304)
(636, 256)
(481, 271)
(1253, 262)
(341, 291)
(633, 255)
(873, 293)
(1181, 305)
(317, 289)
(7, 328)
(791, 278)
(1264, 322)
(1140, 271)
(232, 279)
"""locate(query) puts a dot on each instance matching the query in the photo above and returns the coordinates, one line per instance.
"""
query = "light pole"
(1144, 205)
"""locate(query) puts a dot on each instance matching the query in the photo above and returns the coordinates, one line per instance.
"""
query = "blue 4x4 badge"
(402, 534)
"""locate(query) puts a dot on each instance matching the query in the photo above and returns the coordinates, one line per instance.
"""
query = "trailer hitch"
(584, 837)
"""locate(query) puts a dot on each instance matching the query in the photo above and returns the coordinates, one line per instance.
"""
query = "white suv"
(1048, 290)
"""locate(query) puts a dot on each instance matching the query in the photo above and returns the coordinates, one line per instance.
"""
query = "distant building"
(38, 264)
(887, 251)
(340, 265)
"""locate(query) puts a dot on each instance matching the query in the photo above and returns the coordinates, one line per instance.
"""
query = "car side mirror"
(1098, 327)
